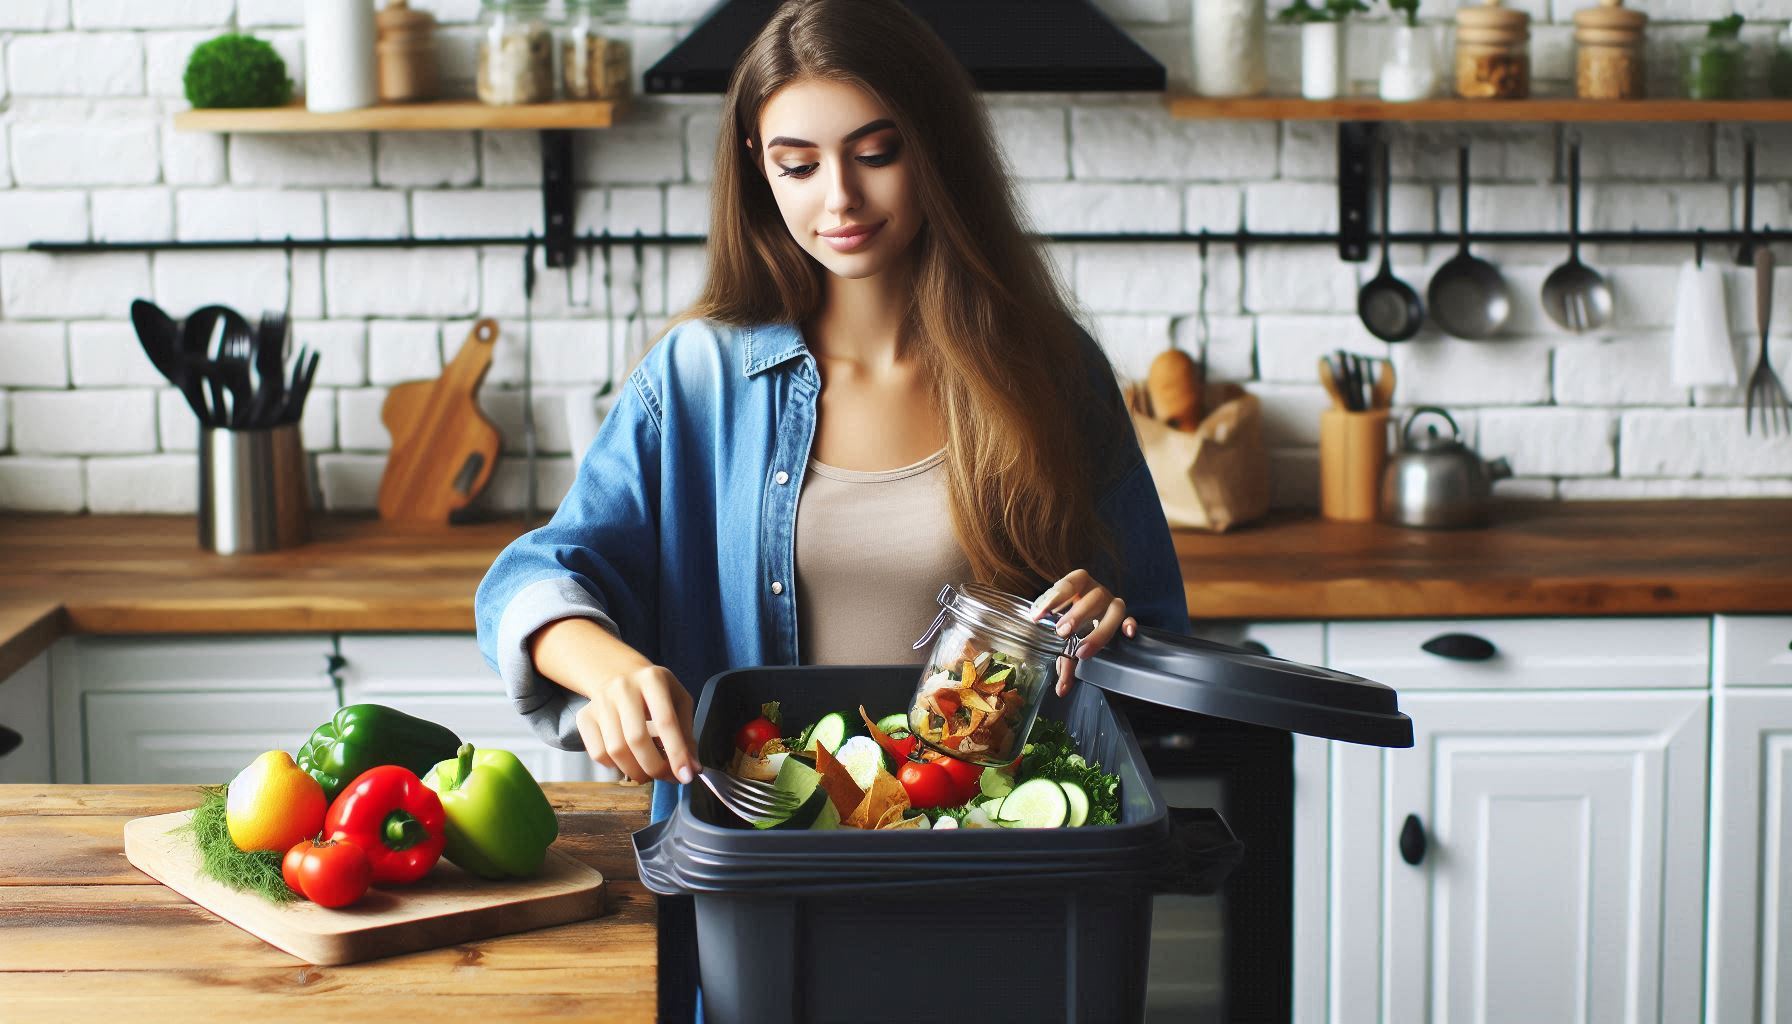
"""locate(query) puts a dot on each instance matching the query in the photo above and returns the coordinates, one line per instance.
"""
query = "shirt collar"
(771, 345)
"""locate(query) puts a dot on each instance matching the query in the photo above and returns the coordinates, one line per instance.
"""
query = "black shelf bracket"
(1356, 143)
(558, 196)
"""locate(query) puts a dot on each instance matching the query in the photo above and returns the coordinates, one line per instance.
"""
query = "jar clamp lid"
(1201, 676)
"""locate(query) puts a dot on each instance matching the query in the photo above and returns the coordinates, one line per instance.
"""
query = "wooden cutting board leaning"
(443, 446)
(446, 907)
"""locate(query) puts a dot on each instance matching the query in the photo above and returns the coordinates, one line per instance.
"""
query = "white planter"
(1228, 47)
(1410, 72)
(1321, 60)
(339, 62)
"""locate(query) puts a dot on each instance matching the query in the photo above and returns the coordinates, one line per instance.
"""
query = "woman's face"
(836, 164)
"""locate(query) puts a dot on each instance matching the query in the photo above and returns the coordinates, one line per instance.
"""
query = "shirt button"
(782, 477)
(777, 588)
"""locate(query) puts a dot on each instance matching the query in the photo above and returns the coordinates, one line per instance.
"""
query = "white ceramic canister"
(340, 70)
(1321, 60)
(1228, 47)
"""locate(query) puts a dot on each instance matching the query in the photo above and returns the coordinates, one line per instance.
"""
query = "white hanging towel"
(1702, 353)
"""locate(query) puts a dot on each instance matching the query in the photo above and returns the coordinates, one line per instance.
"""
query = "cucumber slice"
(893, 724)
(829, 818)
(994, 784)
(803, 783)
(860, 756)
(1079, 803)
(1036, 803)
(829, 731)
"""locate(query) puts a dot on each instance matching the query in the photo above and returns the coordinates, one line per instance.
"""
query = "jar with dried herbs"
(1608, 57)
(594, 55)
(1493, 59)
(516, 53)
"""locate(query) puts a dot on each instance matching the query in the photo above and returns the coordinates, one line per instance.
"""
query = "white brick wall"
(87, 151)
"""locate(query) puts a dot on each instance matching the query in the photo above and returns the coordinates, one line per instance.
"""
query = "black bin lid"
(1208, 678)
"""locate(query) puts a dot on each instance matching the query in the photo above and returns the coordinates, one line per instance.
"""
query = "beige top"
(872, 552)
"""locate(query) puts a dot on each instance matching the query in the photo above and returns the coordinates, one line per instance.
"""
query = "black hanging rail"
(1241, 239)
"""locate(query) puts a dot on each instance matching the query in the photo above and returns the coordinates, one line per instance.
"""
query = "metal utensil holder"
(253, 490)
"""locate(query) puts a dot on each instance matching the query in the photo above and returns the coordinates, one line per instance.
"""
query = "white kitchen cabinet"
(1562, 875)
(1749, 964)
(194, 737)
(1752, 650)
(1517, 654)
(443, 678)
(183, 709)
(25, 710)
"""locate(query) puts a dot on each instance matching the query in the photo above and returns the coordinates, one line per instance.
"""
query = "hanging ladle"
(1575, 295)
(1387, 305)
(1467, 295)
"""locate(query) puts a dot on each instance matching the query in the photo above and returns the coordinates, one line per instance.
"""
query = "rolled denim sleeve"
(597, 558)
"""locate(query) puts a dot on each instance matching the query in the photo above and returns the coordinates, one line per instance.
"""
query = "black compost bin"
(990, 924)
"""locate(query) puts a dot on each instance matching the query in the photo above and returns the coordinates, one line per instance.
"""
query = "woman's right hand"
(624, 716)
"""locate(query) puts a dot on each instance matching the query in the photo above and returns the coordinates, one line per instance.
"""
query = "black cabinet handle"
(9, 740)
(1256, 647)
(1412, 841)
(1460, 647)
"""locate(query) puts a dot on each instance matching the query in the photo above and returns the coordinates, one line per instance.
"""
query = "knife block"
(1353, 451)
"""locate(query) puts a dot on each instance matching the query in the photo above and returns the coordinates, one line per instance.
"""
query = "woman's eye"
(877, 159)
(801, 171)
(869, 160)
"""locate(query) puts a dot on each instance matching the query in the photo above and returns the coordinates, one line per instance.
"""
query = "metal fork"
(754, 801)
(1764, 388)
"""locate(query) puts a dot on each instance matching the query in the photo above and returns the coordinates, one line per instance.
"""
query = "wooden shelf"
(440, 116)
(1546, 109)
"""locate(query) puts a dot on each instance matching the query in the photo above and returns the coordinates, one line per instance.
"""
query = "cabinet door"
(25, 711)
(1749, 969)
(443, 678)
(1562, 875)
(194, 737)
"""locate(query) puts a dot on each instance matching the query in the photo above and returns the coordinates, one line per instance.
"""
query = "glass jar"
(1228, 47)
(594, 55)
(1493, 72)
(1608, 52)
(1779, 68)
(1713, 69)
(1410, 72)
(988, 667)
(516, 53)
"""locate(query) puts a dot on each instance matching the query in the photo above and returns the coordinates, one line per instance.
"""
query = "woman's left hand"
(1085, 601)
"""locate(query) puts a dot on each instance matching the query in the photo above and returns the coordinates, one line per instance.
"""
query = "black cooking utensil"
(159, 334)
(301, 388)
(270, 368)
(1388, 306)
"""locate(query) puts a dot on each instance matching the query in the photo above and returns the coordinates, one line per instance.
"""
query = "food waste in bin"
(879, 777)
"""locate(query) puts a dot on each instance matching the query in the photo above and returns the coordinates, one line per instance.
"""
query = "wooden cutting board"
(445, 907)
(443, 447)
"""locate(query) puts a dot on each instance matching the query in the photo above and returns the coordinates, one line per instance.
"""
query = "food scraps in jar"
(975, 706)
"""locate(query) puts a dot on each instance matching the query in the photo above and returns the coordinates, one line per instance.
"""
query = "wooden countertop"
(146, 574)
(84, 934)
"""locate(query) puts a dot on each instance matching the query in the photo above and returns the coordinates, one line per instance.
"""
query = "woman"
(880, 390)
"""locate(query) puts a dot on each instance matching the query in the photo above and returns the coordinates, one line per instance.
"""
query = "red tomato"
(928, 784)
(753, 735)
(333, 873)
(964, 777)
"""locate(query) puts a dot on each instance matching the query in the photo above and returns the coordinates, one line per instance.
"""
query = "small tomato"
(964, 777)
(927, 784)
(753, 735)
(329, 873)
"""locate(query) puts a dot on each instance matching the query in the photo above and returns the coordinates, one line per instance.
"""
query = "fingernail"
(1065, 627)
(1037, 606)
(684, 774)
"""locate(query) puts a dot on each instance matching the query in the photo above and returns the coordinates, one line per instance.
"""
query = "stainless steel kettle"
(1436, 481)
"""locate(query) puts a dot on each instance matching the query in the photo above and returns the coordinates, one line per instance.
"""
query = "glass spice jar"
(1712, 69)
(1492, 52)
(594, 55)
(1779, 68)
(1608, 58)
(516, 53)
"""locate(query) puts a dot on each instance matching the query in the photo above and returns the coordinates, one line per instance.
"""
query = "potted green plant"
(1410, 71)
(1713, 67)
(1321, 44)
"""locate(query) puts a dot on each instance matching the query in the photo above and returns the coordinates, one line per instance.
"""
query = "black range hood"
(1007, 45)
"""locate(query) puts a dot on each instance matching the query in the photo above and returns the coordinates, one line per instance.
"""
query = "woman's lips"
(847, 243)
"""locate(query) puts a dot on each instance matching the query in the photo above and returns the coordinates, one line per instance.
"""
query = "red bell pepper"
(394, 818)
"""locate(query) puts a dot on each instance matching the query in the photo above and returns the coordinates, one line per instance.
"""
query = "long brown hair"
(988, 318)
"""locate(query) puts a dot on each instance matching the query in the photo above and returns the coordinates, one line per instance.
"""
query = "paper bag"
(1214, 477)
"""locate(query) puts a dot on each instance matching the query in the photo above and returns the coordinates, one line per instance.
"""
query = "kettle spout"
(1498, 469)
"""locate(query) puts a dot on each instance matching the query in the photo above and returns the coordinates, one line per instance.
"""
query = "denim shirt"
(678, 534)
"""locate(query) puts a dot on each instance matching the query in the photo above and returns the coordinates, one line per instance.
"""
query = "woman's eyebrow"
(857, 133)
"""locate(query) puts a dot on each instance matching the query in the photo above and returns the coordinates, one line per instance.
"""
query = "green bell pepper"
(500, 823)
(363, 736)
